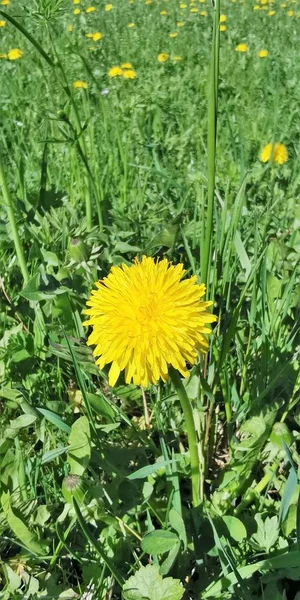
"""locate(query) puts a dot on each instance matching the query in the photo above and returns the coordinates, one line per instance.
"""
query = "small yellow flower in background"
(264, 1)
(80, 84)
(3, 56)
(241, 48)
(115, 72)
(263, 53)
(182, 5)
(2, 23)
(162, 57)
(176, 57)
(76, 1)
(145, 318)
(180, 23)
(97, 36)
(70, 28)
(223, 18)
(129, 74)
(203, 13)
(126, 66)
(290, 13)
(283, 5)
(223, 27)
(173, 35)
(194, 10)
(14, 54)
(256, 7)
(89, 35)
(5, 2)
(202, 1)
(148, 2)
(90, 9)
(131, 25)
(271, 13)
(277, 152)
(76, 11)
(163, 13)
(108, 7)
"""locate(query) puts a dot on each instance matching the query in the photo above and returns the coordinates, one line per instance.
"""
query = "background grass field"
(91, 177)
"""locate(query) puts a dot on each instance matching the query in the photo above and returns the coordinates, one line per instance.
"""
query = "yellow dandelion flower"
(264, 1)
(89, 35)
(76, 1)
(163, 13)
(108, 7)
(2, 23)
(173, 35)
(276, 152)
(127, 65)
(223, 18)
(129, 74)
(182, 5)
(194, 10)
(5, 2)
(290, 13)
(76, 11)
(90, 9)
(97, 36)
(283, 5)
(115, 72)
(271, 13)
(3, 56)
(79, 84)
(180, 23)
(70, 28)
(162, 57)
(146, 319)
(223, 27)
(202, 1)
(263, 53)
(203, 13)
(131, 25)
(256, 7)
(176, 57)
(148, 2)
(241, 48)
(14, 54)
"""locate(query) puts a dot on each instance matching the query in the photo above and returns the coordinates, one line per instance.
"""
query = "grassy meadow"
(170, 130)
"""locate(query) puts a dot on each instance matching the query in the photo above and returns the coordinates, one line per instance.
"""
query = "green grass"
(91, 178)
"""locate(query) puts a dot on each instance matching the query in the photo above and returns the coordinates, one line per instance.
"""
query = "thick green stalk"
(191, 434)
(211, 147)
(14, 230)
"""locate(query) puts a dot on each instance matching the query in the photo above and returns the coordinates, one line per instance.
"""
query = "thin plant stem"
(14, 229)
(191, 435)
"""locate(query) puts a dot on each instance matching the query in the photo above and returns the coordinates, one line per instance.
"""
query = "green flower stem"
(191, 434)
(14, 230)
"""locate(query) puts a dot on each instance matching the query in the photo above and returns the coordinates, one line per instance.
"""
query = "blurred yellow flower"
(148, 2)
(162, 57)
(14, 54)
(163, 13)
(2, 23)
(131, 25)
(222, 27)
(108, 7)
(290, 13)
(241, 48)
(70, 28)
(115, 72)
(89, 35)
(173, 35)
(182, 5)
(203, 13)
(76, 1)
(176, 57)
(194, 10)
(3, 56)
(5, 2)
(264, 1)
(90, 9)
(256, 7)
(271, 13)
(276, 152)
(223, 18)
(283, 5)
(97, 36)
(76, 11)
(263, 53)
(180, 23)
(79, 84)
(126, 66)
(129, 74)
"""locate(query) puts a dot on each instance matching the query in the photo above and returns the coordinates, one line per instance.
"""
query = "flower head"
(203, 13)
(3, 56)
(14, 54)
(276, 152)
(263, 53)
(2, 23)
(79, 84)
(131, 25)
(176, 57)
(242, 48)
(222, 27)
(76, 11)
(76, 1)
(5, 2)
(223, 18)
(182, 5)
(271, 13)
(129, 74)
(108, 7)
(163, 13)
(97, 36)
(115, 72)
(70, 28)
(145, 318)
(162, 57)
(180, 23)
(290, 13)
(90, 9)
(127, 65)
(193, 10)
(174, 34)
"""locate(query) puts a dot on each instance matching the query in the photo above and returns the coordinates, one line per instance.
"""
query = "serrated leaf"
(159, 541)
(148, 584)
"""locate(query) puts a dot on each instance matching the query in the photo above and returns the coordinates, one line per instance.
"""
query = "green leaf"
(159, 541)
(289, 488)
(55, 419)
(32, 292)
(13, 579)
(149, 469)
(27, 538)
(80, 441)
(148, 584)
(176, 521)
(102, 407)
(236, 528)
